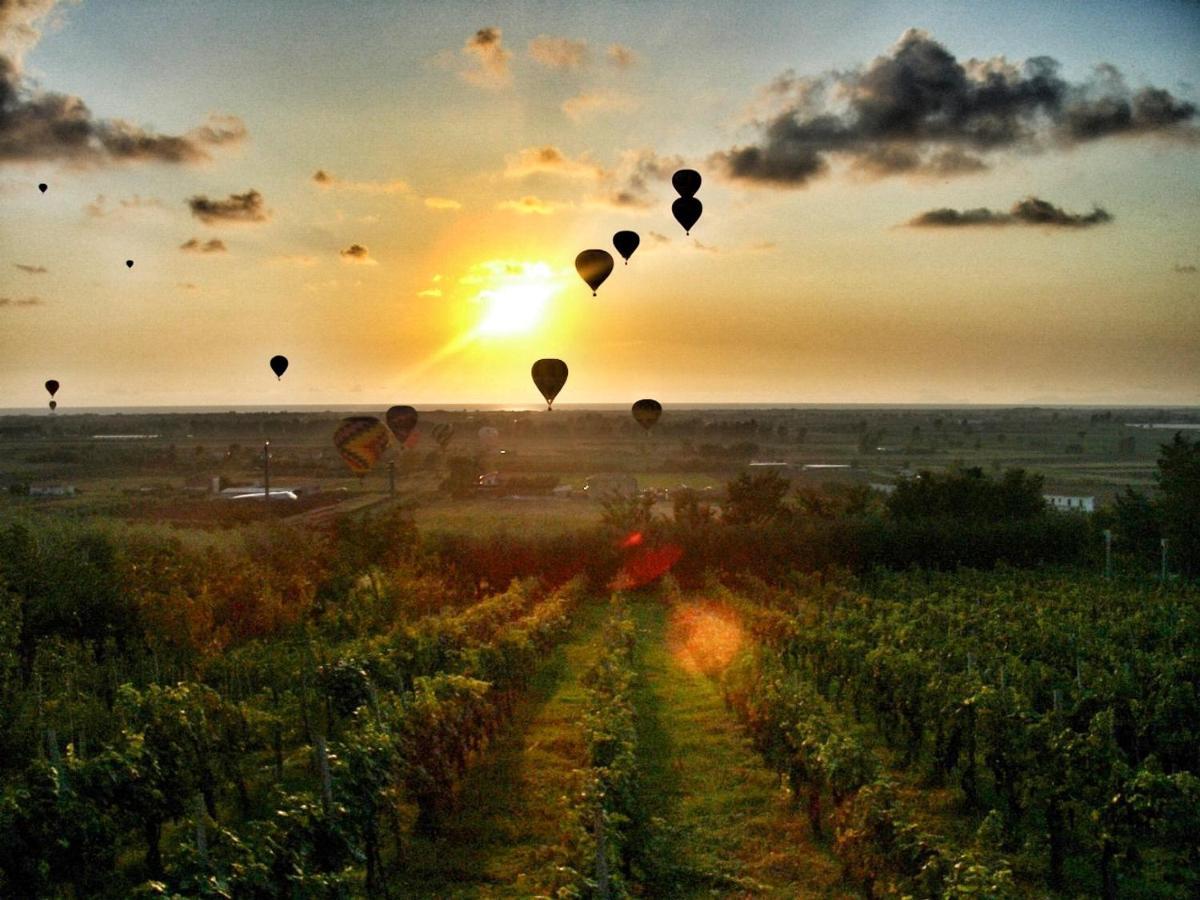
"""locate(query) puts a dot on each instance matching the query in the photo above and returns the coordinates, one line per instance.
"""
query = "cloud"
(657, 237)
(195, 245)
(1030, 211)
(621, 56)
(23, 301)
(530, 205)
(558, 52)
(326, 180)
(1184, 270)
(489, 59)
(31, 270)
(358, 254)
(100, 207)
(187, 286)
(582, 105)
(549, 160)
(299, 260)
(430, 292)
(238, 208)
(442, 203)
(919, 110)
(630, 184)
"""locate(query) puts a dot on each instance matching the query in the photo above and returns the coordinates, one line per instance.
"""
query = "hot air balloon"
(129, 263)
(549, 375)
(626, 242)
(361, 440)
(53, 405)
(489, 437)
(686, 182)
(279, 365)
(442, 433)
(687, 212)
(647, 413)
(401, 420)
(52, 387)
(42, 187)
(593, 267)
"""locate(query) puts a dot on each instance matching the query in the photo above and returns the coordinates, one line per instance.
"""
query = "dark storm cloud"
(1030, 211)
(919, 110)
(31, 270)
(37, 125)
(195, 245)
(23, 301)
(247, 207)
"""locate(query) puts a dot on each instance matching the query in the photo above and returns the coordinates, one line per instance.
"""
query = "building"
(1069, 503)
(52, 490)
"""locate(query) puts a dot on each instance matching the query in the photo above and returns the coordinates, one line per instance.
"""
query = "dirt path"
(513, 803)
(726, 827)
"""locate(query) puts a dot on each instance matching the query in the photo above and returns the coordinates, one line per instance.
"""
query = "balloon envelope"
(442, 433)
(686, 182)
(593, 267)
(361, 440)
(53, 405)
(401, 420)
(279, 365)
(549, 375)
(42, 188)
(647, 413)
(626, 242)
(129, 263)
(52, 387)
(687, 212)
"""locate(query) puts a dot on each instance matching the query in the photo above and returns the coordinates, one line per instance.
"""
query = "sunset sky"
(962, 202)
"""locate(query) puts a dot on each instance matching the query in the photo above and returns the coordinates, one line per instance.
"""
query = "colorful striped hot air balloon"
(361, 440)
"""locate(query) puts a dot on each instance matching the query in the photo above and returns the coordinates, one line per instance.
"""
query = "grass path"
(722, 813)
(512, 804)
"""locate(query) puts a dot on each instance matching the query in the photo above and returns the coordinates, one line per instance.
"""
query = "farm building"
(1069, 503)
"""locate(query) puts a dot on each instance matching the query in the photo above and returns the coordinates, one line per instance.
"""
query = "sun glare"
(516, 298)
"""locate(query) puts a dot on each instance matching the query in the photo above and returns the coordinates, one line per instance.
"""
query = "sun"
(516, 298)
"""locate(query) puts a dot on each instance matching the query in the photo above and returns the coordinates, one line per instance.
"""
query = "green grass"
(514, 803)
(724, 819)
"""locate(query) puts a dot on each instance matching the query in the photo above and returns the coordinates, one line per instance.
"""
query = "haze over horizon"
(903, 202)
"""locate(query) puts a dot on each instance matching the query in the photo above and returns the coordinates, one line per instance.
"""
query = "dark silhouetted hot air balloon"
(53, 405)
(52, 387)
(401, 420)
(42, 187)
(686, 182)
(687, 212)
(361, 440)
(549, 375)
(489, 437)
(442, 433)
(593, 267)
(626, 242)
(279, 365)
(647, 413)
(129, 263)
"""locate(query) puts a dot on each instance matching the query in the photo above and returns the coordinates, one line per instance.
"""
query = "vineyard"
(350, 714)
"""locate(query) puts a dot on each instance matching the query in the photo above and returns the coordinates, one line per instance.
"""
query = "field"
(466, 690)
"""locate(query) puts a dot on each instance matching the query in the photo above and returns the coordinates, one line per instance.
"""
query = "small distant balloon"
(593, 267)
(401, 420)
(129, 263)
(626, 242)
(361, 440)
(647, 413)
(279, 365)
(53, 405)
(489, 437)
(687, 212)
(549, 375)
(42, 187)
(442, 433)
(52, 387)
(686, 182)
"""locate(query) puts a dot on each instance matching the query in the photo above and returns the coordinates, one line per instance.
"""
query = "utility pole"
(1163, 578)
(267, 471)
(392, 477)
(1108, 553)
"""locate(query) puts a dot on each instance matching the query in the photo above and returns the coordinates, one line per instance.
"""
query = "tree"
(1178, 480)
(756, 499)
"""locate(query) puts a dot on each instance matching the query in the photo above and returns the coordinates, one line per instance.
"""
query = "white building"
(1070, 503)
